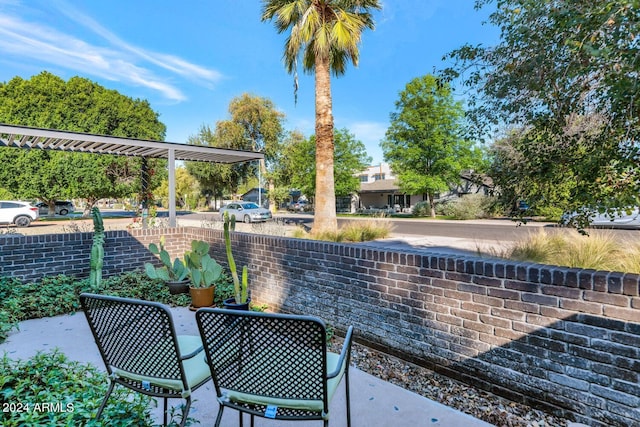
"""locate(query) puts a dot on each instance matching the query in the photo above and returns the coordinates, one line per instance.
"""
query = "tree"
(254, 124)
(350, 159)
(214, 178)
(515, 165)
(560, 65)
(187, 189)
(424, 144)
(79, 105)
(328, 32)
(262, 129)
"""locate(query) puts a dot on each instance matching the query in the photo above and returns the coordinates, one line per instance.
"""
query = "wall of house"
(565, 340)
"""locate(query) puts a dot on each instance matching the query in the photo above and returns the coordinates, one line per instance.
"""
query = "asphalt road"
(503, 230)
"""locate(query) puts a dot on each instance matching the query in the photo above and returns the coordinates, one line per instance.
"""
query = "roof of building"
(380, 186)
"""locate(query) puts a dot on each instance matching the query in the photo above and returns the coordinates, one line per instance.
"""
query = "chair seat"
(315, 405)
(195, 368)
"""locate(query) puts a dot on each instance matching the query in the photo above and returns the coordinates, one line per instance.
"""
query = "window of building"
(378, 176)
(364, 178)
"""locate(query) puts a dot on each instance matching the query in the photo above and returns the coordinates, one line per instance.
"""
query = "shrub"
(598, 251)
(421, 209)
(469, 206)
(74, 391)
(363, 231)
(20, 301)
(56, 295)
(355, 231)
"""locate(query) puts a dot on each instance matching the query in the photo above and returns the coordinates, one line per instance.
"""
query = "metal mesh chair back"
(273, 355)
(134, 336)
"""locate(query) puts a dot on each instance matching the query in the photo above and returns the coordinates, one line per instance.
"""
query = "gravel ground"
(478, 403)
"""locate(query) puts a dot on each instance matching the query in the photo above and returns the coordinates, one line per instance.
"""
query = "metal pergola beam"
(49, 139)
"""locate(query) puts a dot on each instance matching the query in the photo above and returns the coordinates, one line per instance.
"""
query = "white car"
(622, 219)
(246, 212)
(19, 213)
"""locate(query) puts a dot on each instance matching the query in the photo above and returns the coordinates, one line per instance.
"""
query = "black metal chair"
(273, 365)
(141, 350)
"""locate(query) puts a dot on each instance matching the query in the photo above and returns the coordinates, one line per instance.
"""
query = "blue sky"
(190, 58)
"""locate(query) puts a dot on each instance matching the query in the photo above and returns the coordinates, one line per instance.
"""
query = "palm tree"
(328, 33)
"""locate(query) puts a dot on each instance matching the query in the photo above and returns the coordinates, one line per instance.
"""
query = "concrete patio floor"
(374, 403)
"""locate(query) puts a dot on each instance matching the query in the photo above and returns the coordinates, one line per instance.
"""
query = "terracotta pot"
(202, 297)
(231, 304)
(178, 287)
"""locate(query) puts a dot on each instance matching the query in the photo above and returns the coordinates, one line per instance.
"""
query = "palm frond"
(327, 28)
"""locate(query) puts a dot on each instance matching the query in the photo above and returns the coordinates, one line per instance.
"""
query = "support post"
(172, 188)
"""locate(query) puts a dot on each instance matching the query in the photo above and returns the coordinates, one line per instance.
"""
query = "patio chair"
(273, 365)
(141, 350)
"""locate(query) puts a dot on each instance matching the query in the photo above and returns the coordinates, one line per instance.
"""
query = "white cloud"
(168, 62)
(117, 60)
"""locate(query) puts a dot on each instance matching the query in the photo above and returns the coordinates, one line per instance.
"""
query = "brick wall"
(31, 257)
(565, 340)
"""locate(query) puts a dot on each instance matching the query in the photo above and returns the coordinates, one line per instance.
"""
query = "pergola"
(49, 139)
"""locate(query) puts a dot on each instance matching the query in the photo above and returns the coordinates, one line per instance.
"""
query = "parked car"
(623, 219)
(299, 206)
(63, 207)
(19, 213)
(246, 212)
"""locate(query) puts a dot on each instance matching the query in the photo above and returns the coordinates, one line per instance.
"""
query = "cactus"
(170, 271)
(97, 250)
(240, 287)
(204, 270)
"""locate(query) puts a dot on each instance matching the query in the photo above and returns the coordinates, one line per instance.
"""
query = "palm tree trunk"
(324, 219)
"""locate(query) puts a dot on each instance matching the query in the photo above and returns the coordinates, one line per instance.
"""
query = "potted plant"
(204, 272)
(240, 300)
(173, 273)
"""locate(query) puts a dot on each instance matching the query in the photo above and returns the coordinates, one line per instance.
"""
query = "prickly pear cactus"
(97, 250)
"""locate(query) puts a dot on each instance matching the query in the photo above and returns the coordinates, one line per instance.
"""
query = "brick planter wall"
(32, 257)
(565, 340)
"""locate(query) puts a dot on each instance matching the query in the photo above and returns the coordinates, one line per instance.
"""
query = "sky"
(190, 58)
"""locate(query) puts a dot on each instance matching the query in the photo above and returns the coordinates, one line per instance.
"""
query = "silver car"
(246, 212)
(623, 219)
(19, 213)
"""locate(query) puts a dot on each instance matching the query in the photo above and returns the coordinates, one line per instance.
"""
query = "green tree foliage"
(350, 158)
(566, 72)
(424, 144)
(516, 163)
(187, 189)
(78, 105)
(254, 124)
(327, 33)
(214, 178)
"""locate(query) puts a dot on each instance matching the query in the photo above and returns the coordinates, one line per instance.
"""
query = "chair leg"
(219, 417)
(104, 402)
(346, 383)
(185, 411)
(164, 416)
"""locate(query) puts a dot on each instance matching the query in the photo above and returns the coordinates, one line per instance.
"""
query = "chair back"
(134, 336)
(273, 355)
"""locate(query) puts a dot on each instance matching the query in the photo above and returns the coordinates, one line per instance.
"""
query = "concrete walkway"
(374, 403)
